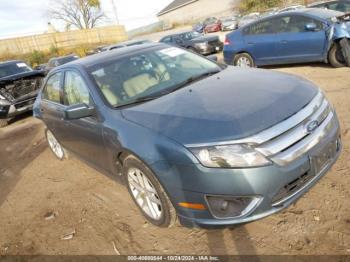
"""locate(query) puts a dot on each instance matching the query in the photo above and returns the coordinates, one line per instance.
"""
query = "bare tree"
(82, 14)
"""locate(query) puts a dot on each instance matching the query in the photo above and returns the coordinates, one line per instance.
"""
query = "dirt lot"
(33, 183)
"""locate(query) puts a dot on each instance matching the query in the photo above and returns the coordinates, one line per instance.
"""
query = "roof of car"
(92, 60)
(318, 12)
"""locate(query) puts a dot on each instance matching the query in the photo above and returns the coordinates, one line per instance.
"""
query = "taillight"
(227, 41)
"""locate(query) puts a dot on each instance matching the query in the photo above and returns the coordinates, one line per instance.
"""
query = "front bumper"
(9, 110)
(192, 183)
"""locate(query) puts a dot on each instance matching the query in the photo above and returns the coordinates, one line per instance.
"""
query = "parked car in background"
(291, 37)
(97, 50)
(341, 5)
(212, 25)
(195, 42)
(229, 23)
(61, 60)
(19, 86)
(125, 44)
(210, 145)
(291, 8)
(41, 67)
(247, 19)
(268, 12)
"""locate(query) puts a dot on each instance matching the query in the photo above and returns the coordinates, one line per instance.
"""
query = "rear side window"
(75, 89)
(52, 88)
(264, 27)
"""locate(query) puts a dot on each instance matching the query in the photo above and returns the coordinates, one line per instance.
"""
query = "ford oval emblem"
(312, 126)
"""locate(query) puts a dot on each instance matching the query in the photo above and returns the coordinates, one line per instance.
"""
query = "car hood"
(205, 38)
(23, 75)
(232, 104)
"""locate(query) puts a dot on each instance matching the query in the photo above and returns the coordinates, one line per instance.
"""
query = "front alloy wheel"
(148, 194)
(54, 145)
(144, 193)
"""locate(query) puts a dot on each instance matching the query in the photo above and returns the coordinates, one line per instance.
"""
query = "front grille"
(292, 187)
(294, 138)
(24, 103)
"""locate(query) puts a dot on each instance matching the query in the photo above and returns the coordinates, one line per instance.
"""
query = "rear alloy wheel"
(148, 194)
(336, 57)
(54, 145)
(243, 60)
(3, 122)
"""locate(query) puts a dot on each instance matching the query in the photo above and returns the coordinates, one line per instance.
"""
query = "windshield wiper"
(193, 79)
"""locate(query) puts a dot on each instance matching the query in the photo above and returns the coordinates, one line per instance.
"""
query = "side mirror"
(213, 58)
(78, 111)
(311, 27)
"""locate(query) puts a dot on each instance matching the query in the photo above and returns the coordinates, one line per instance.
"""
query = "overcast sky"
(22, 17)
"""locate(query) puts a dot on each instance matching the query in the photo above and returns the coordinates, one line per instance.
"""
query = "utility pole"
(115, 11)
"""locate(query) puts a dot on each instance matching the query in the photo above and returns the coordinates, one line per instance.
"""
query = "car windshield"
(13, 69)
(149, 74)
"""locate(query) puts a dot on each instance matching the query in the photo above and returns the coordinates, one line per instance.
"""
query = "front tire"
(335, 57)
(243, 60)
(147, 193)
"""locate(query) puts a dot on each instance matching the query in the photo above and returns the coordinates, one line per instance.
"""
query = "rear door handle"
(251, 43)
(284, 41)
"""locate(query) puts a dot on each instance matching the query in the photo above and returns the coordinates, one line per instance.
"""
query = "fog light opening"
(231, 207)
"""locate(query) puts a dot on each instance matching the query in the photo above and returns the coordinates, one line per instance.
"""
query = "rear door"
(296, 44)
(260, 41)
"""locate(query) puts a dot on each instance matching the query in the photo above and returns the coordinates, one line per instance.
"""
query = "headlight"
(202, 45)
(229, 156)
(1, 97)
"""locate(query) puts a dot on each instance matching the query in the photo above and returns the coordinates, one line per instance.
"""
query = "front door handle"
(284, 41)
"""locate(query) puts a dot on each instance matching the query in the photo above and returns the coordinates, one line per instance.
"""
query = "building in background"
(189, 11)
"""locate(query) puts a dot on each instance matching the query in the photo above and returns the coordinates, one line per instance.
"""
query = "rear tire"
(3, 123)
(335, 56)
(147, 193)
(243, 60)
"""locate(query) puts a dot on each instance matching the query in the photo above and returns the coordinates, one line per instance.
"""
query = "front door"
(296, 44)
(83, 136)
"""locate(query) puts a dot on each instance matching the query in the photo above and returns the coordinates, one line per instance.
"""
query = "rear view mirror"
(78, 111)
(311, 27)
(213, 58)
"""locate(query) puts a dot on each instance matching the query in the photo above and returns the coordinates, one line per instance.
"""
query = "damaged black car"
(19, 86)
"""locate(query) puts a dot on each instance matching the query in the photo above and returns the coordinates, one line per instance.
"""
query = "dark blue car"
(208, 144)
(307, 35)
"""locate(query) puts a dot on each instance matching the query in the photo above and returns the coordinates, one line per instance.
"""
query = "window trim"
(60, 88)
(93, 104)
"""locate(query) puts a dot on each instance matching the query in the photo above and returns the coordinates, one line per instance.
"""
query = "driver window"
(75, 89)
